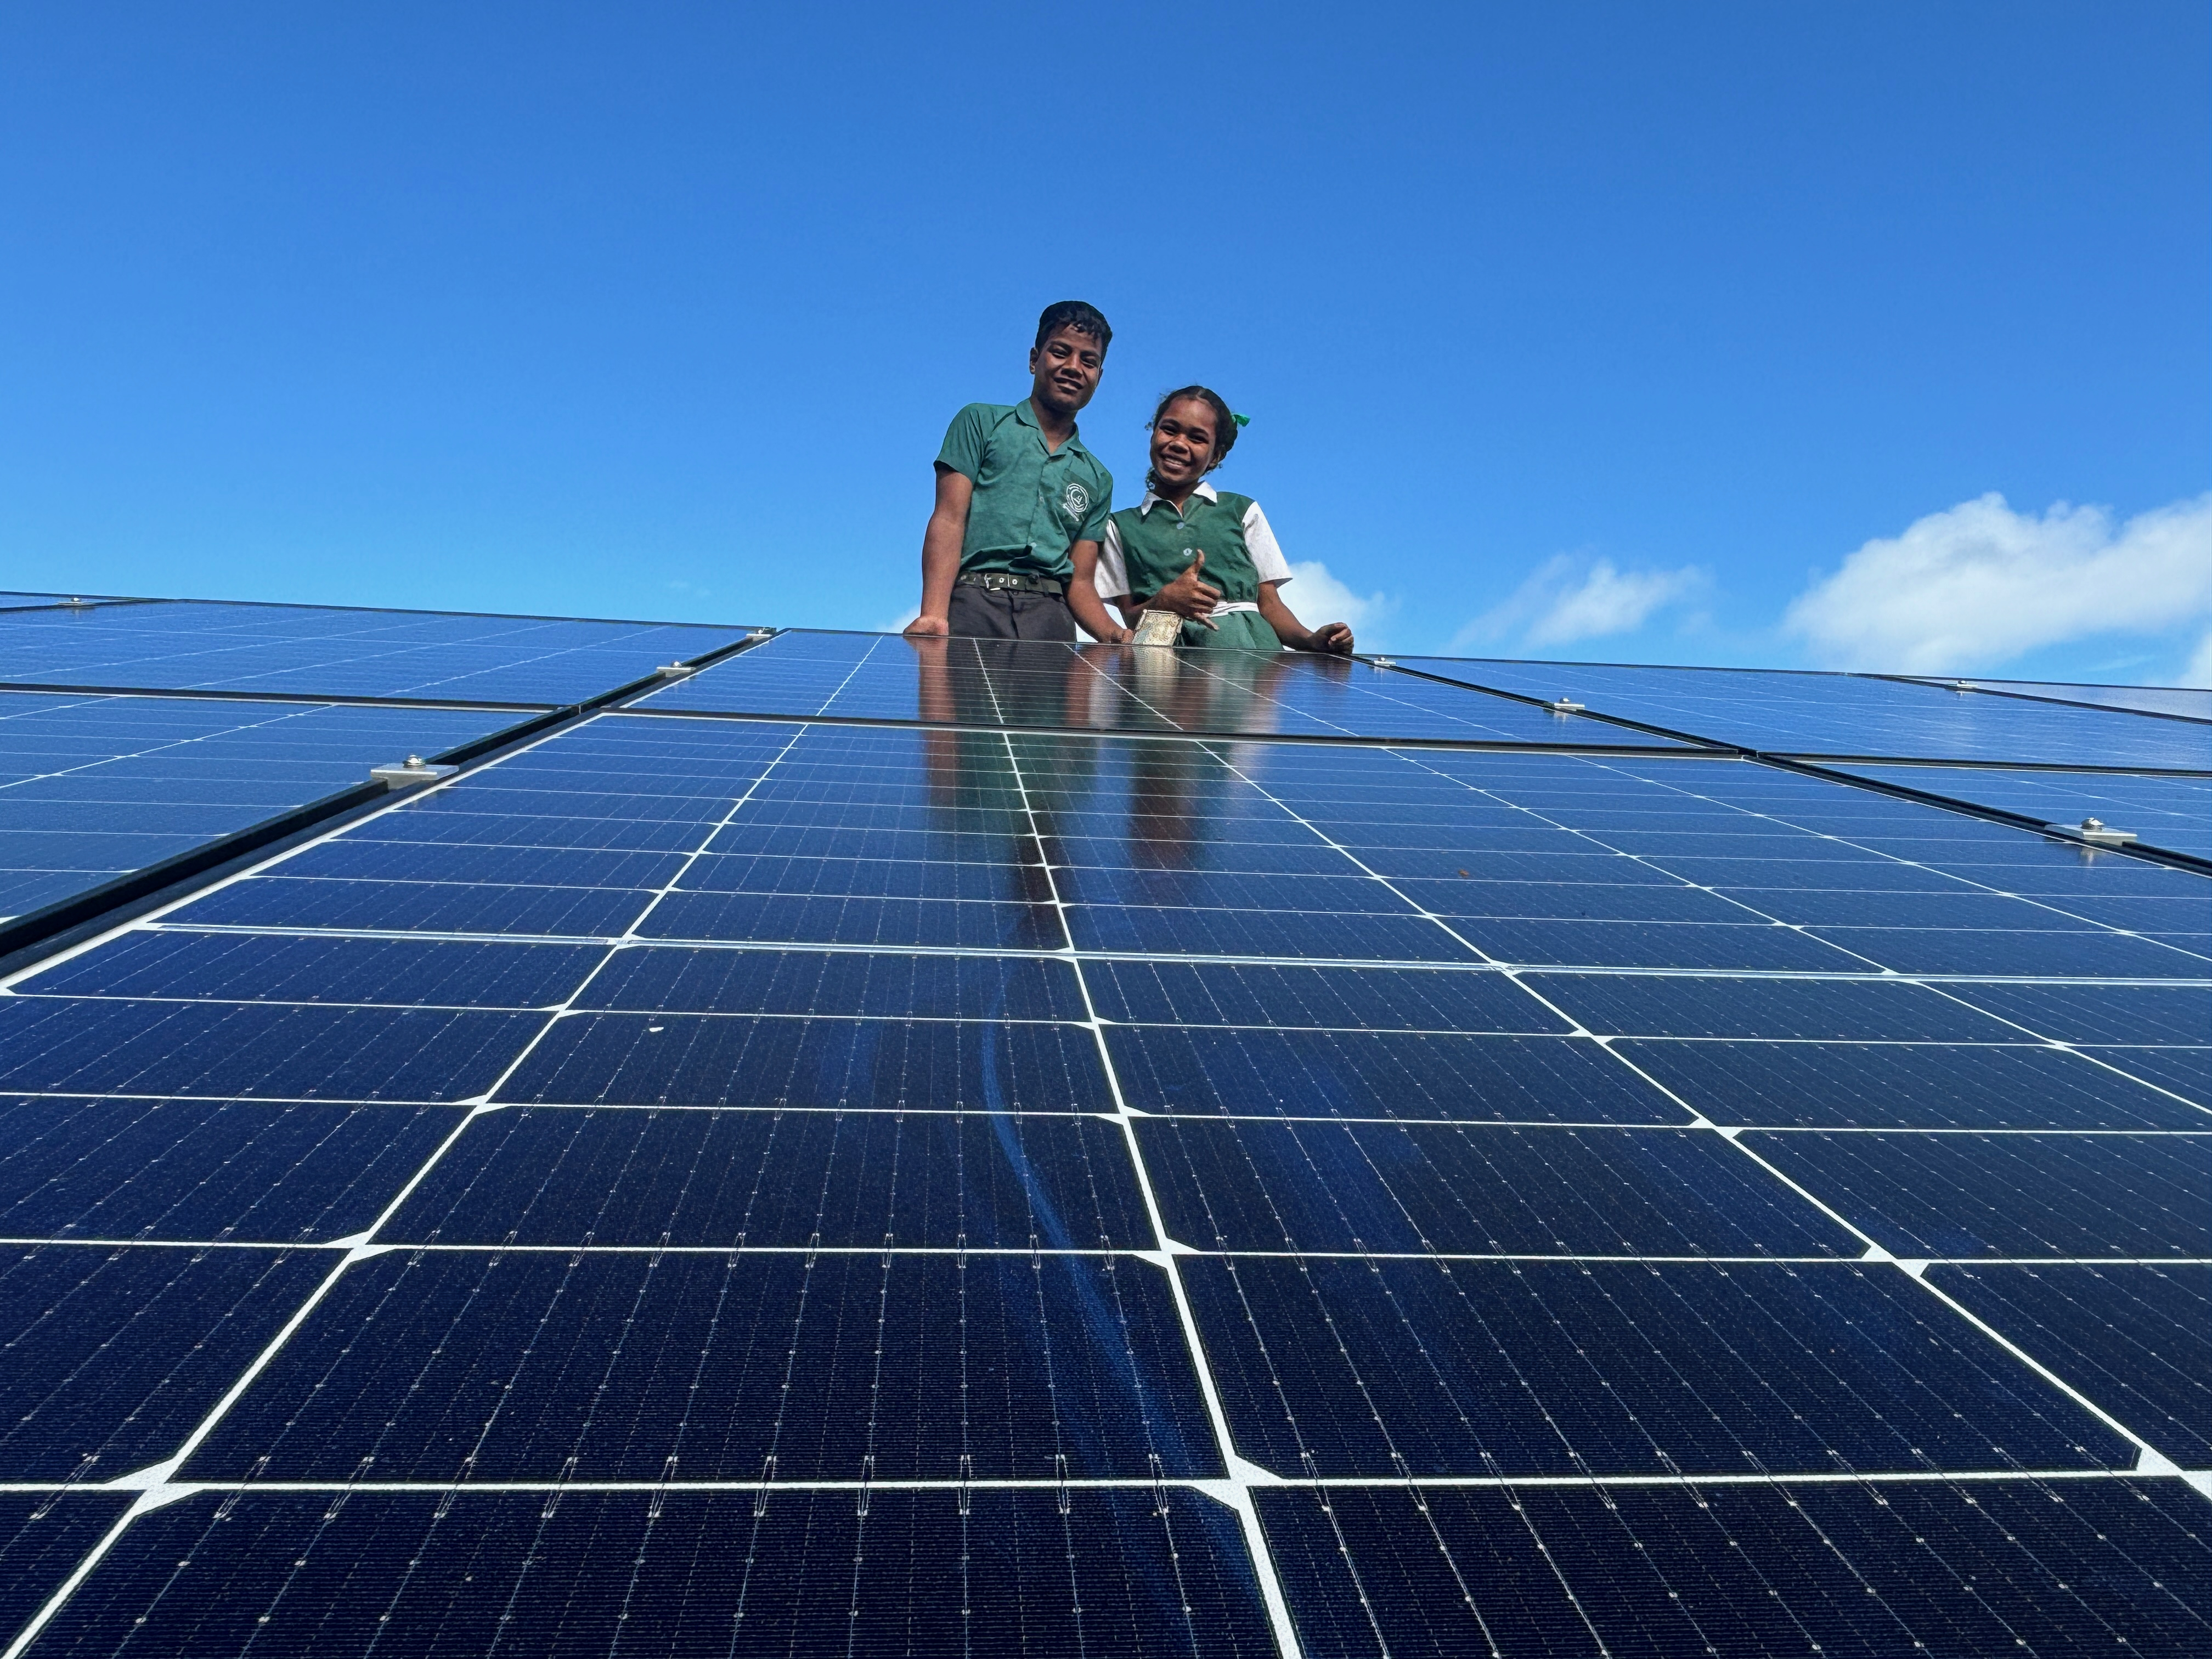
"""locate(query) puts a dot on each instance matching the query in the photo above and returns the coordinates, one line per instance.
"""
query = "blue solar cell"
(797, 1366)
(2138, 1341)
(2058, 954)
(1477, 898)
(236, 1170)
(430, 822)
(1845, 908)
(843, 876)
(347, 860)
(114, 1355)
(672, 980)
(280, 899)
(2186, 1073)
(88, 1047)
(1904, 1085)
(649, 1060)
(1358, 1074)
(1683, 1006)
(300, 648)
(1468, 1188)
(1752, 946)
(984, 1573)
(919, 1179)
(2010, 1194)
(1192, 930)
(886, 924)
(2101, 1013)
(1379, 999)
(1849, 1570)
(1618, 1368)
(1345, 892)
(298, 967)
(43, 1539)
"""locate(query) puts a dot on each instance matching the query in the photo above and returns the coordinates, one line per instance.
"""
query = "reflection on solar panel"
(2181, 700)
(2170, 811)
(331, 652)
(869, 1148)
(93, 788)
(1787, 712)
(1005, 682)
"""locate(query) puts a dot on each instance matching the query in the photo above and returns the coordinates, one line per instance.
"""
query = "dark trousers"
(988, 613)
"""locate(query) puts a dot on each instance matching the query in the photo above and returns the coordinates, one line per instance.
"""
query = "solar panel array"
(969, 1147)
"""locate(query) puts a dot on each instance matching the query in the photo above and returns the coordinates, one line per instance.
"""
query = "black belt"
(1006, 580)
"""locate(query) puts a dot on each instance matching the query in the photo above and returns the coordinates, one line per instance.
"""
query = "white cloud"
(1973, 587)
(1571, 596)
(2199, 672)
(1315, 597)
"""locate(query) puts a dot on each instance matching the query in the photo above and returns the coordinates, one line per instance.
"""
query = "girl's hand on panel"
(1333, 637)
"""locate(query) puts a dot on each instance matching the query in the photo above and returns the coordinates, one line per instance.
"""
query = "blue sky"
(1591, 330)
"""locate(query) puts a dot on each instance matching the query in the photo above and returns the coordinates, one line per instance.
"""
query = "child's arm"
(1083, 598)
(1335, 637)
(941, 550)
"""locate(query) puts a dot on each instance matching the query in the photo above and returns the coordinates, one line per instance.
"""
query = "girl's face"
(1183, 443)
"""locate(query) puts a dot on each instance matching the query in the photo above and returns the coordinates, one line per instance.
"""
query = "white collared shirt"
(1267, 561)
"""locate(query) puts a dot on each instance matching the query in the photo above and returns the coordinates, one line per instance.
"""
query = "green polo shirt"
(1030, 505)
(1157, 542)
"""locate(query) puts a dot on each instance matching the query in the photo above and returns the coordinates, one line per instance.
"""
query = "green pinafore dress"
(1156, 546)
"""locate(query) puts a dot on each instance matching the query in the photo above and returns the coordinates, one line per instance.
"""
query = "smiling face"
(1065, 370)
(1184, 444)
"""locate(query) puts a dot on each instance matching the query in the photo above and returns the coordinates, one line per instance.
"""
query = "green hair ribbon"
(1242, 420)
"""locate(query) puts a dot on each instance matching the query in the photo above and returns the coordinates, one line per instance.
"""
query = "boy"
(1021, 504)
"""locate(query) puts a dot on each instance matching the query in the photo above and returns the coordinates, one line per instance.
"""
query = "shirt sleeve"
(1267, 561)
(1112, 576)
(1102, 509)
(964, 440)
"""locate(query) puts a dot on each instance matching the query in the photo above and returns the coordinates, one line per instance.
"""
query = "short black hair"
(1224, 423)
(1078, 314)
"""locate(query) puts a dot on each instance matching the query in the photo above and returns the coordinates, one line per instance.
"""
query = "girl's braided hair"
(1224, 423)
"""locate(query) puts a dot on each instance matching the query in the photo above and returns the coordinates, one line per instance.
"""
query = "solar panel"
(94, 787)
(2189, 703)
(1787, 711)
(2160, 811)
(334, 653)
(791, 1162)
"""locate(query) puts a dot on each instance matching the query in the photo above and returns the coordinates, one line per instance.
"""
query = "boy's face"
(1065, 370)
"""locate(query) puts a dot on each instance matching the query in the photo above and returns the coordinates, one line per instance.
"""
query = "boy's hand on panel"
(928, 627)
(1188, 597)
(1331, 636)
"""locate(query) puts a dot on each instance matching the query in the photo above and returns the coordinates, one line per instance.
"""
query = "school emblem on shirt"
(1076, 499)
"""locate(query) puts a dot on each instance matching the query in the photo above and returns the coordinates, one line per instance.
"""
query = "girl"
(1154, 553)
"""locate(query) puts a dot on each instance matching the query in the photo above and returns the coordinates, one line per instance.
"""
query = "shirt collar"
(1206, 491)
(1027, 417)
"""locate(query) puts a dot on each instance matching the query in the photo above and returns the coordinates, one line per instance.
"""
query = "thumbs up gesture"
(1187, 596)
